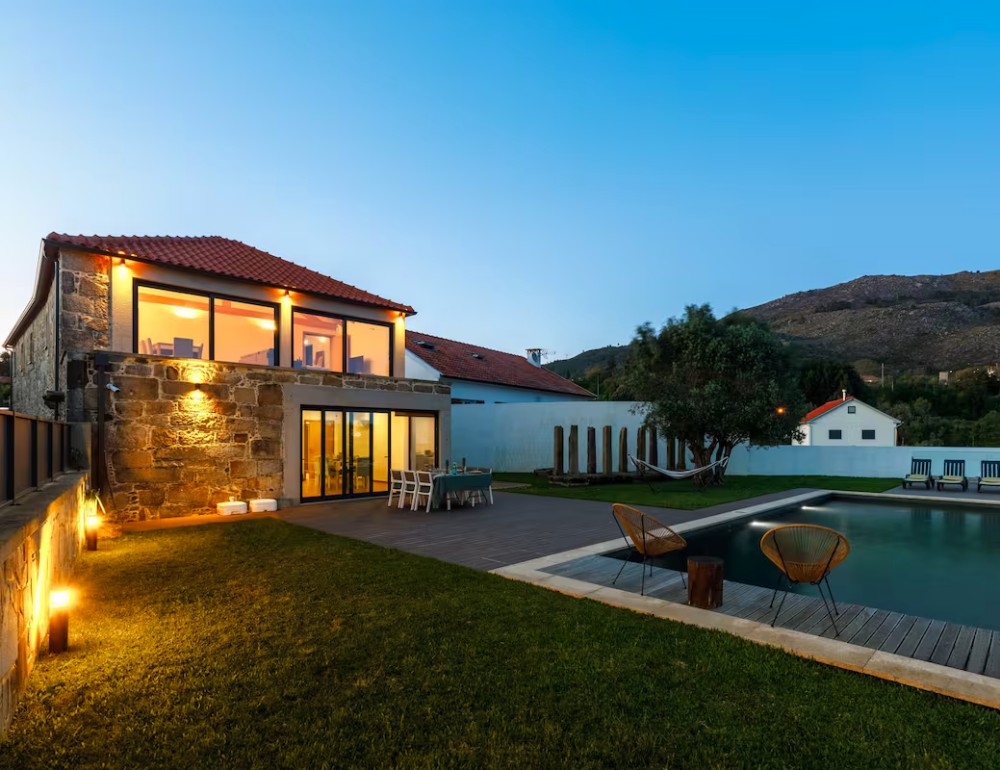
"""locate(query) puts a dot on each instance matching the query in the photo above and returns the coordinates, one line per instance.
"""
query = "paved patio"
(988, 495)
(516, 528)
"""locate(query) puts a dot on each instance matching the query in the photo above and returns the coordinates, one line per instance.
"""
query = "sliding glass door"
(344, 453)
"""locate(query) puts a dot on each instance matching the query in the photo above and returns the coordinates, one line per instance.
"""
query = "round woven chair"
(805, 553)
(648, 536)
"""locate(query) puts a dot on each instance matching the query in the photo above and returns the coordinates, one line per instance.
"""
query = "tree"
(823, 381)
(715, 383)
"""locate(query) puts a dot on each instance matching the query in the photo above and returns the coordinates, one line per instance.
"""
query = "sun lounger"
(920, 473)
(954, 474)
(989, 474)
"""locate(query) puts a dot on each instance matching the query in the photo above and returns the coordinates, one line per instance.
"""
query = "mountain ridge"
(908, 323)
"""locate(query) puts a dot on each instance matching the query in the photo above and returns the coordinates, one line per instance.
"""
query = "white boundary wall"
(518, 437)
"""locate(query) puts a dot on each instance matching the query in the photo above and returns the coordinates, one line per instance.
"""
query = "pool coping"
(943, 680)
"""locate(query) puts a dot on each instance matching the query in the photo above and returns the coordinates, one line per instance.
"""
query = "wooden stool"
(705, 582)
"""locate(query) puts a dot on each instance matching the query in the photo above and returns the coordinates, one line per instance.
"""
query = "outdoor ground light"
(93, 525)
(780, 410)
(58, 620)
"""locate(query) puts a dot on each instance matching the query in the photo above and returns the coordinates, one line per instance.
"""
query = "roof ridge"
(480, 347)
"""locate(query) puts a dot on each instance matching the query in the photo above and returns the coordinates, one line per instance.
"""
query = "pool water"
(922, 559)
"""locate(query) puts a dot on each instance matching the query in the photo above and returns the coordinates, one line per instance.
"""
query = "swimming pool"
(924, 559)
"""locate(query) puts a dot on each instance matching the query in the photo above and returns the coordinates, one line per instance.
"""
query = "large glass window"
(367, 348)
(244, 332)
(178, 323)
(172, 323)
(414, 445)
(312, 453)
(318, 342)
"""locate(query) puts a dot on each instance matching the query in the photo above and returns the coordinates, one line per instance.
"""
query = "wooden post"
(705, 582)
(606, 451)
(557, 451)
(573, 469)
(640, 444)
(654, 448)
(592, 450)
(671, 454)
(623, 450)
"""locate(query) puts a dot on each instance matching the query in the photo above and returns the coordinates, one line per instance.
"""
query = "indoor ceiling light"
(185, 312)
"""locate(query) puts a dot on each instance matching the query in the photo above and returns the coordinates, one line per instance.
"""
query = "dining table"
(458, 486)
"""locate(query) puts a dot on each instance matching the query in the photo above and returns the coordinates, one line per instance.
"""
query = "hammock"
(643, 466)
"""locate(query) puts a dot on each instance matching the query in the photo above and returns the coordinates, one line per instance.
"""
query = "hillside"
(576, 367)
(918, 322)
(909, 323)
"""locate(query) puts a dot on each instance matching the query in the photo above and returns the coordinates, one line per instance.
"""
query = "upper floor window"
(835, 435)
(193, 325)
(340, 345)
(868, 435)
(852, 409)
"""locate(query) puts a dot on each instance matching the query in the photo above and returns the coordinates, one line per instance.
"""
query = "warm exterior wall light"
(122, 268)
(58, 620)
(780, 410)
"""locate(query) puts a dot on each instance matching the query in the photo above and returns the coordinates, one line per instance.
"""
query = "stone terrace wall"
(175, 450)
(40, 539)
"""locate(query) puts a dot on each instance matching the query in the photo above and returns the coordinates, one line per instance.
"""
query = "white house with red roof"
(846, 421)
(478, 375)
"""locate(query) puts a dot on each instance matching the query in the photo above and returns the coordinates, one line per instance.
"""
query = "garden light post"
(58, 620)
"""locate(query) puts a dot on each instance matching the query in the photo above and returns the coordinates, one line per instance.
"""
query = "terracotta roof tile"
(223, 256)
(459, 361)
(826, 408)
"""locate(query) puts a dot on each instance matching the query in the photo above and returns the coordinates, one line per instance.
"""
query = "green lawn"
(684, 494)
(260, 644)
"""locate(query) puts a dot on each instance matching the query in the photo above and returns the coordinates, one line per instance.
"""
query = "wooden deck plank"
(912, 639)
(804, 616)
(946, 643)
(821, 621)
(992, 667)
(980, 649)
(931, 637)
(898, 634)
(869, 627)
(748, 597)
(752, 603)
(959, 656)
(846, 628)
(884, 630)
(767, 614)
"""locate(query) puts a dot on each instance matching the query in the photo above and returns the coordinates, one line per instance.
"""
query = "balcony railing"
(33, 451)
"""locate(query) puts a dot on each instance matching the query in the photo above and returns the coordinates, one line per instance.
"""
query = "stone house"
(211, 369)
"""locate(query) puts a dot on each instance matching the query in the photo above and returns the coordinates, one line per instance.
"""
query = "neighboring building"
(231, 372)
(847, 422)
(479, 375)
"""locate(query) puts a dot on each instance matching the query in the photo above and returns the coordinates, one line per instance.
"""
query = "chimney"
(844, 391)
(534, 356)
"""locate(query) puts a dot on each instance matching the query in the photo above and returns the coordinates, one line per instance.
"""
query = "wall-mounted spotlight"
(113, 388)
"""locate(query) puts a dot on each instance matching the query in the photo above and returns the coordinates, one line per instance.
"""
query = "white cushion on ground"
(231, 507)
(263, 504)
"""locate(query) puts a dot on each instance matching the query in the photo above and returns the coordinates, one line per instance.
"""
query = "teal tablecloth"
(459, 483)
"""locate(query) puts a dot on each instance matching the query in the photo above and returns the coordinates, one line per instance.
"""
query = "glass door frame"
(347, 437)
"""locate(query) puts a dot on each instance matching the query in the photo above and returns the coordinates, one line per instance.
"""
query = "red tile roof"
(826, 408)
(456, 360)
(223, 256)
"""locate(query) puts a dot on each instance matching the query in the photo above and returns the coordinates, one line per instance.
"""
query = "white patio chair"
(395, 484)
(425, 490)
(409, 486)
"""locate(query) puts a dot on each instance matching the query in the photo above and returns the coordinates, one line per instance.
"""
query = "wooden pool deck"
(975, 650)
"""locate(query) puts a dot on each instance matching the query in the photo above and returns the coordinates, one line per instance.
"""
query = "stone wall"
(40, 539)
(33, 366)
(82, 287)
(183, 435)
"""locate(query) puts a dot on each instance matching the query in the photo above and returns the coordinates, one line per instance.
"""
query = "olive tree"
(715, 383)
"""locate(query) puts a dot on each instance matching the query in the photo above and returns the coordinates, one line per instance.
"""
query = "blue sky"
(525, 174)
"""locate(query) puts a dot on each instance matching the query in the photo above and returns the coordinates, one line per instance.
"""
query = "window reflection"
(318, 343)
(244, 332)
(367, 348)
(172, 323)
